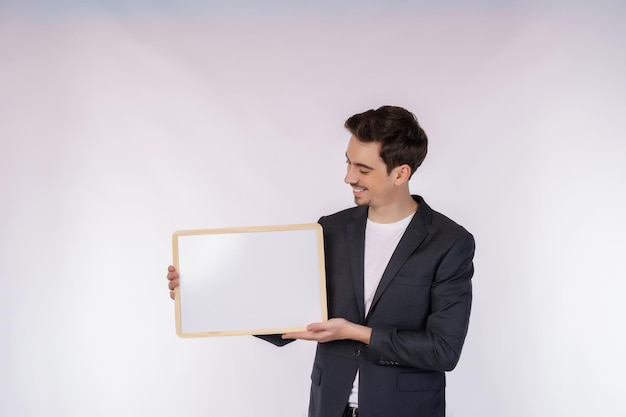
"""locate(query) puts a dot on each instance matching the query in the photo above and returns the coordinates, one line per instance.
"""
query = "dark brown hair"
(402, 139)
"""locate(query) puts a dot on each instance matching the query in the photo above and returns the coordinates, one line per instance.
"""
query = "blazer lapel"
(356, 245)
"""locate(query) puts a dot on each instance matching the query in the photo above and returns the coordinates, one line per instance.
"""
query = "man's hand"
(172, 276)
(333, 329)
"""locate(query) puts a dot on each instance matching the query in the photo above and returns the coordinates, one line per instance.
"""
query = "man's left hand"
(333, 329)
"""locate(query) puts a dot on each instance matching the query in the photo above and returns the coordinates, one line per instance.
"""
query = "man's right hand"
(172, 276)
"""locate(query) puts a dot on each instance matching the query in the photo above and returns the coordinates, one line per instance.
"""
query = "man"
(398, 283)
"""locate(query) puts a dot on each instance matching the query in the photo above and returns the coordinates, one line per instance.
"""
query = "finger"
(316, 327)
(172, 273)
(173, 284)
(298, 335)
(173, 295)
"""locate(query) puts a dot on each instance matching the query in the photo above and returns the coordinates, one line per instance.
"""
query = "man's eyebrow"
(358, 164)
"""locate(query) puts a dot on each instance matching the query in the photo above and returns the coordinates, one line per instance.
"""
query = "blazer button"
(357, 352)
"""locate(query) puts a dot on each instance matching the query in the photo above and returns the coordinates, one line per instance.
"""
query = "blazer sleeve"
(438, 346)
(275, 339)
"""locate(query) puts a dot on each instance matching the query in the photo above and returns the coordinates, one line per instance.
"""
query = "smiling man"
(398, 283)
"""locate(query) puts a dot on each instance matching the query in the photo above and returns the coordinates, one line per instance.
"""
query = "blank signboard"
(249, 280)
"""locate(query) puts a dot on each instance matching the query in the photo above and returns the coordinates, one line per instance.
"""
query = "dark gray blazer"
(419, 317)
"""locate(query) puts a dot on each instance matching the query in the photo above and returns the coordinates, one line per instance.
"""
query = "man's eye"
(363, 172)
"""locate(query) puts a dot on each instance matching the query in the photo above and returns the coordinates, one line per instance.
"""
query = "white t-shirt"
(381, 240)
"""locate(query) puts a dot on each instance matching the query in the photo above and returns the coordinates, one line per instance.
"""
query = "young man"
(398, 283)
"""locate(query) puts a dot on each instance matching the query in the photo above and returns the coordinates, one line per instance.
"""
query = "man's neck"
(393, 212)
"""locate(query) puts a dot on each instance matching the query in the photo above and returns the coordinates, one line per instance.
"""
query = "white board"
(249, 280)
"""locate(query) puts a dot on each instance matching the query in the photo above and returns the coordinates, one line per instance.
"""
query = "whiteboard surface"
(235, 281)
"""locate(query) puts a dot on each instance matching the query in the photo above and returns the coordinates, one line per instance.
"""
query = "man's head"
(402, 140)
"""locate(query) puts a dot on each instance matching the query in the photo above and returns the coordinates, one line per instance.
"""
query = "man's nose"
(350, 177)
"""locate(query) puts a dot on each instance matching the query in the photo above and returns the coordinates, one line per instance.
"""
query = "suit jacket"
(419, 317)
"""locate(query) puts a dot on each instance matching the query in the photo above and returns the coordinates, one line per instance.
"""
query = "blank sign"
(250, 280)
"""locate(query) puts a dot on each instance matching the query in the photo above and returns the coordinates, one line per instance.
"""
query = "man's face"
(367, 174)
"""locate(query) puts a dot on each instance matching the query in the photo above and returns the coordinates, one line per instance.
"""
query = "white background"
(121, 122)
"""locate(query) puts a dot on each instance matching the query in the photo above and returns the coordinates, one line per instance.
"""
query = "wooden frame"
(249, 280)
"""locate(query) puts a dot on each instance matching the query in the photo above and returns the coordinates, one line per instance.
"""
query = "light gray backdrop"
(121, 122)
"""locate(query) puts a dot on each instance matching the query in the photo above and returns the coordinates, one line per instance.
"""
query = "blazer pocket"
(420, 381)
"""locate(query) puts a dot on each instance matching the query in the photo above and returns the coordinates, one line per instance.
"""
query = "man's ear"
(402, 174)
